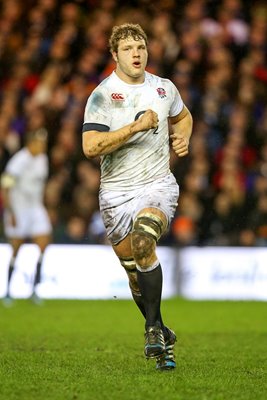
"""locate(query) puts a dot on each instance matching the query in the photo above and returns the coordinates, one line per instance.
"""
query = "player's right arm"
(97, 143)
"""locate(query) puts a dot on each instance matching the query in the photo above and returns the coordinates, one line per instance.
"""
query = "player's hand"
(148, 120)
(180, 145)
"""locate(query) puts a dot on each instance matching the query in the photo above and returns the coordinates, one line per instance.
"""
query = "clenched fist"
(180, 145)
(147, 120)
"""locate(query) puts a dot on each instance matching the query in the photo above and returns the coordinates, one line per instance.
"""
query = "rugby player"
(126, 123)
(25, 217)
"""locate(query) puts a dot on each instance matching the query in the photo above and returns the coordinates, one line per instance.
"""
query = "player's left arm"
(181, 126)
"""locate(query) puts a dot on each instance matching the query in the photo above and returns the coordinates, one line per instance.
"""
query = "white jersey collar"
(138, 85)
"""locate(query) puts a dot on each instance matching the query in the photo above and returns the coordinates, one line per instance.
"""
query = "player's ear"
(114, 55)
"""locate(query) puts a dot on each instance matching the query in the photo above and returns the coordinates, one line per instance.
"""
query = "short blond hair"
(38, 134)
(124, 31)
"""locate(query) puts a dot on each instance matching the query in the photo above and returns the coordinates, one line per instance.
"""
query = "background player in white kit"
(25, 216)
(126, 124)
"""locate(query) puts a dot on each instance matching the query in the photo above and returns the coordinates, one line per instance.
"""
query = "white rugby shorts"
(30, 222)
(119, 209)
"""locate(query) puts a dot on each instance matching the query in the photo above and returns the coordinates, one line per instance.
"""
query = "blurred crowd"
(54, 53)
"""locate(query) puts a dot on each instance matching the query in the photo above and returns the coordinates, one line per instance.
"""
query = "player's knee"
(143, 247)
(147, 229)
(148, 224)
(129, 264)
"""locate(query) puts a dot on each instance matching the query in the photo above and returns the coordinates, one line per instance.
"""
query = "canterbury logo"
(117, 96)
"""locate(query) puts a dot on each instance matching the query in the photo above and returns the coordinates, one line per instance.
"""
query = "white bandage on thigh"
(149, 268)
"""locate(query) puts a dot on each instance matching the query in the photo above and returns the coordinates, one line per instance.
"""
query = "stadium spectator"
(184, 231)
(4, 152)
(75, 231)
(255, 229)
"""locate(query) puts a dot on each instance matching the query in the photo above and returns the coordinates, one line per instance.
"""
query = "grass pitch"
(92, 350)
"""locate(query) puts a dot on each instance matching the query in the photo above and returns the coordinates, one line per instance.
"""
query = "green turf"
(83, 350)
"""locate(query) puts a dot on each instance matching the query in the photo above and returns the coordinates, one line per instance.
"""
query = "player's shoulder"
(43, 157)
(20, 154)
(100, 94)
(164, 86)
(156, 79)
(105, 84)
(16, 161)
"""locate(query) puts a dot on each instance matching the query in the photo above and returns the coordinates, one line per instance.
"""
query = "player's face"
(39, 146)
(131, 59)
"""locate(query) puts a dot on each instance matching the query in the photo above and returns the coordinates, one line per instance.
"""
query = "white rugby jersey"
(30, 173)
(145, 156)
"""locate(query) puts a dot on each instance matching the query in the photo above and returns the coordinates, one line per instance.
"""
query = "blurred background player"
(25, 216)
(126, 123)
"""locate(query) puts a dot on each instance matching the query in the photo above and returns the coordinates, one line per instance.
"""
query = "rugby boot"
(166, 361)
(154, 342)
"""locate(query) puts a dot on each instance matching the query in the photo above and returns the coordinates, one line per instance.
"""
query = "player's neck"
(32, 150)
(129, 79)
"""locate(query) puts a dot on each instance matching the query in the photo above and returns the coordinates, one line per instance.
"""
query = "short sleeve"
(15, 165)
(177, 102)
(97, 114)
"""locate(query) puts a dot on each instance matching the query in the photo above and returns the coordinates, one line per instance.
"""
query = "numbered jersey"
(145, 156)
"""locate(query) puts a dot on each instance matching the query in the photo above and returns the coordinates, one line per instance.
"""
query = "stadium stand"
(54, 53)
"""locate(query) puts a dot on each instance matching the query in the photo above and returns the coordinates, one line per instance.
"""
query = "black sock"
(37, 277)
(11, 268)
(150, 285)
(140, 303)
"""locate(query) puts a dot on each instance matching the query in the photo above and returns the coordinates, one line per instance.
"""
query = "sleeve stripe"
(95, 127)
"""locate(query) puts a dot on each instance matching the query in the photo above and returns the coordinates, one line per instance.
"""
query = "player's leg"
(148, 227)
(42, 242)
(150, 283)
(117, 207)
(15, 244)
(124, 253)
(40, 234)
(14, 232)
